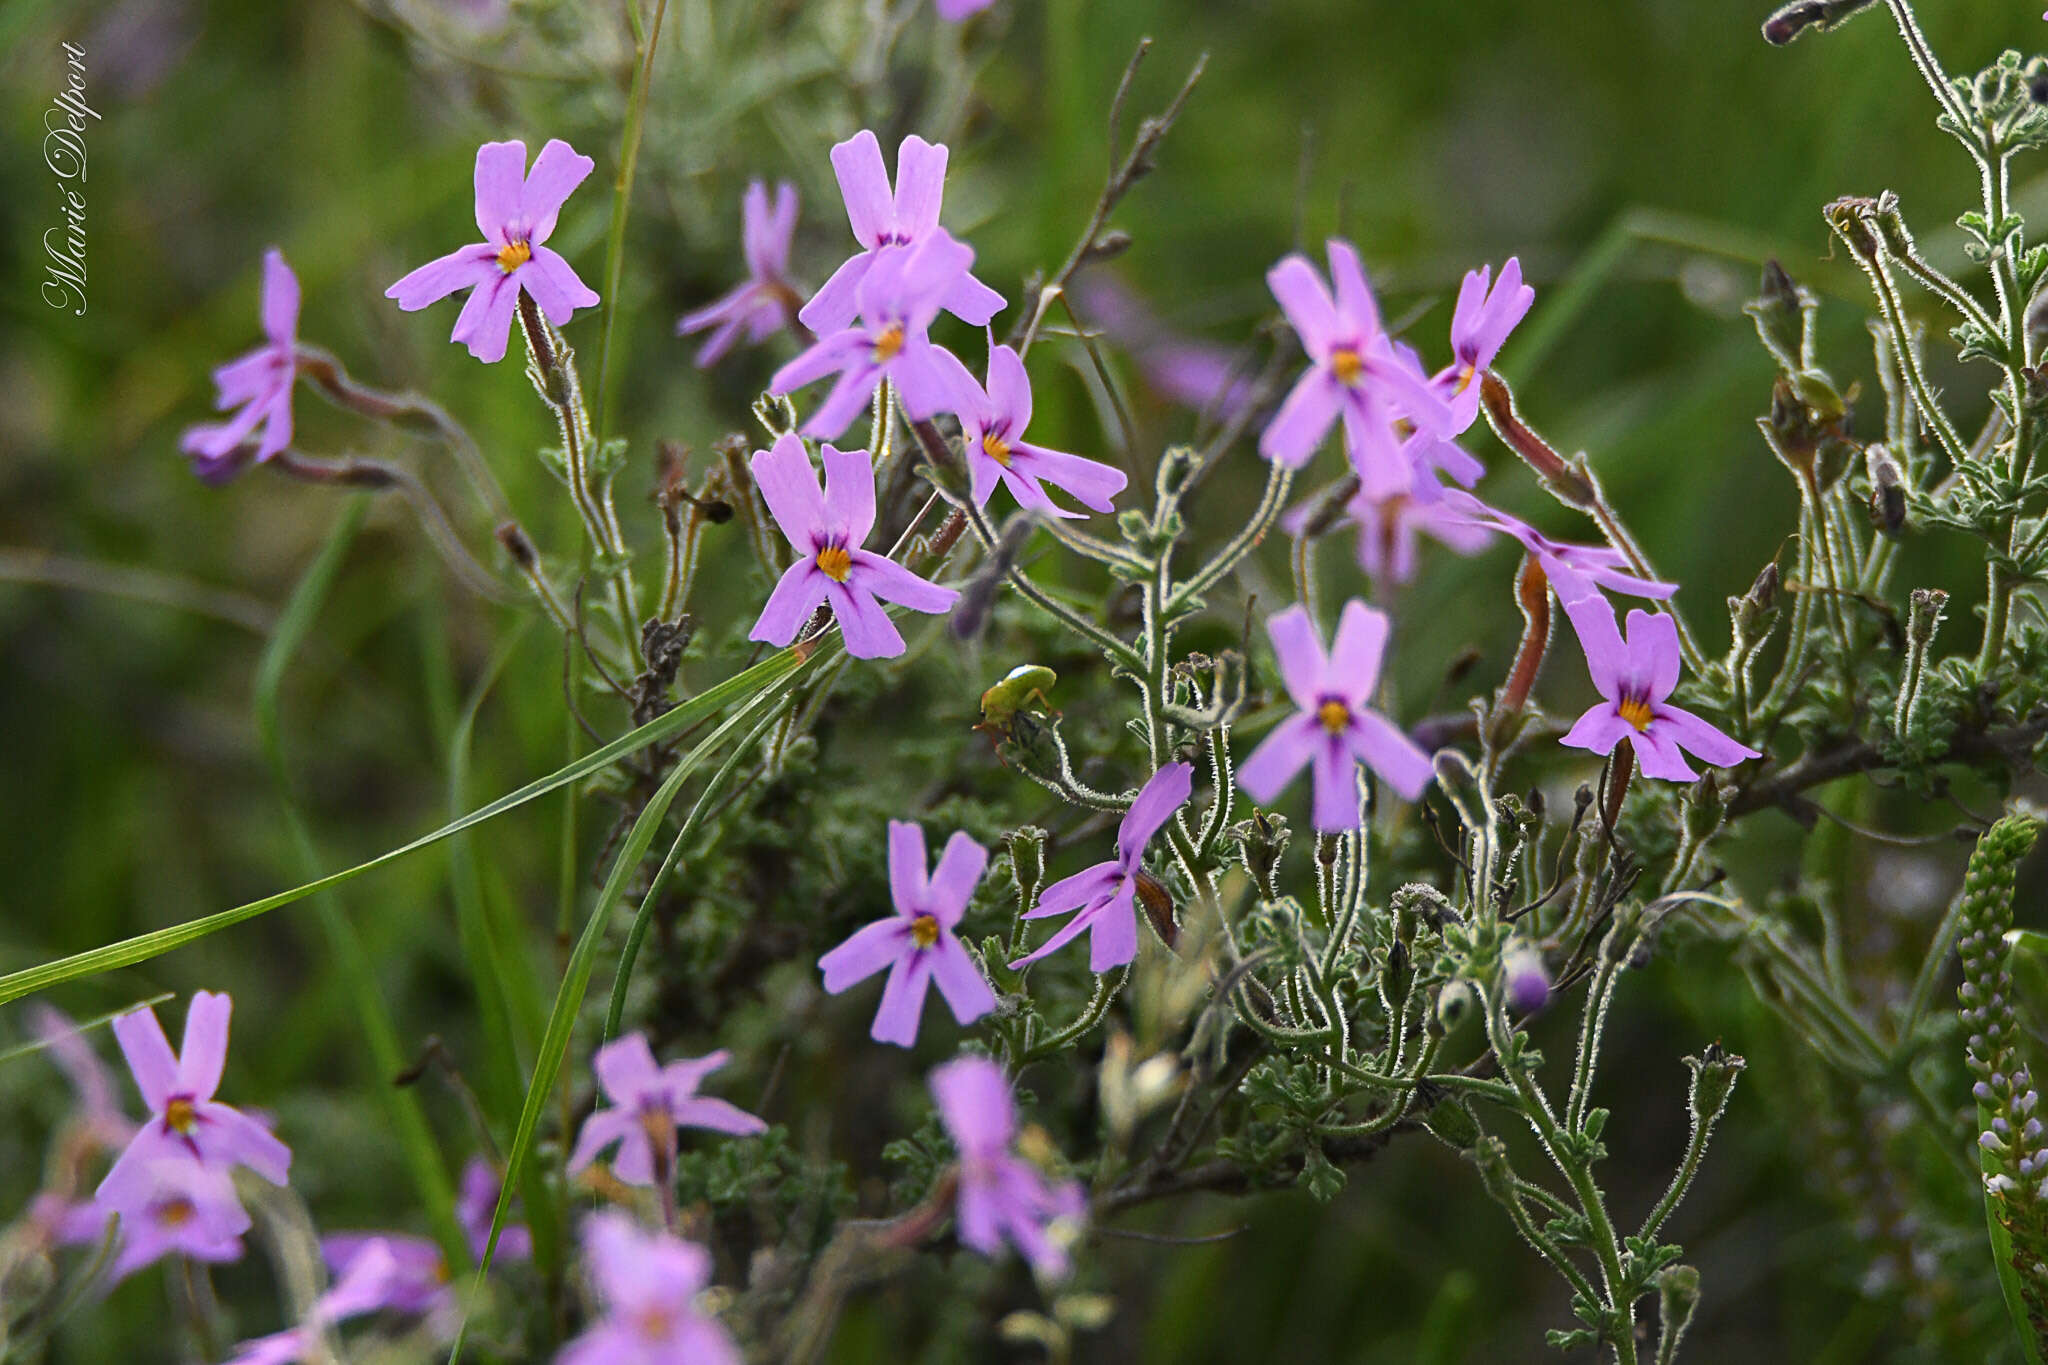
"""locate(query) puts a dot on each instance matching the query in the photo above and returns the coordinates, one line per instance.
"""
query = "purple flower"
(826, 531)
(992, 421)
(917, 943)
(1574, 570)
(650, 1102)
(1199, 374)
(956, 10)
(186, 1124)
(418, 1281)
(1479, 328)
(365, 1286)
(1355, 374)
(899, 296)
(761, 307)
(648, 1283)
(259, 383)
(1635, 681)
(1002, 1196)
(1528, 979)
(1428, 454)
(177, 1205)
(882, 220)
(516, 212)
(1388, 529)
(1336, 730)
(475, 1204)
(1106, 894)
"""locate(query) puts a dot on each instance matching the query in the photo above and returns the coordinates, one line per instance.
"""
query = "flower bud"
(1887, 491)
(1526, 978)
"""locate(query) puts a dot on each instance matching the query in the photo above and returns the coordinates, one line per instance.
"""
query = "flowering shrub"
(1283, 978)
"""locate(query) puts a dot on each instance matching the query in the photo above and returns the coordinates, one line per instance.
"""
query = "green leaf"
(144, 947)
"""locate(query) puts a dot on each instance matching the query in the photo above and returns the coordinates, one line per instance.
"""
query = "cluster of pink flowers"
(870, 326)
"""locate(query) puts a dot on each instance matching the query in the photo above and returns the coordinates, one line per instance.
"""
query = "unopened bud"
(1887, 491)
(1526, 977)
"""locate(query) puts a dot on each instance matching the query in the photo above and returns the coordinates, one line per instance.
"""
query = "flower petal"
(833, 352)
(920, 186)
(1303, 420)
(719, 1116)
(849, 492)
(1385, 748)
(1093, 483)
(1599, 730)
(1359, 313)
(485, 323)
(1070, 893)
(1009, 388)
(902, 1004)
(906, 866)
(1061, 937)
(834, 307)
(437, 279)
(866, 951)
(280, 300)
(1607, 658)
(971, 301)
(1657, 756)
(975, 1104)
(891, 582)
(797, 595)
(1303, 669)
(1310, 311)
(1279, 757)
(967, 992)
(554, 285)
(500, 186)
(1113, 937)
(1653, 652)
(601, 1130)
(1356, 653)
(867, 629)
(953, 881)
(849, 398)
(1700, 738)
(150, 1059)
(864, 184)
(787, 482)
(204, 1053)
(1335, 774)
(626, 1069)
(1166, 792)
(232, 1138)
(558, 170)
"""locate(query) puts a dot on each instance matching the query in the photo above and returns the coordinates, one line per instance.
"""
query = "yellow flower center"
(889, 343)
(997, 449)
(1334, 715)
(924, 931)
(1466, 374)
(1346, 365)
(180, 1116)
(1636, 711)
(176, 1213)
(835, 562)
(512, 255)
(655, 1324)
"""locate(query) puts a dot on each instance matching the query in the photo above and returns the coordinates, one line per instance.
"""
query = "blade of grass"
(508, 990)
(576, 977)
(144, 947)
(630, 953)
(402, 1107)
(622, 197)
